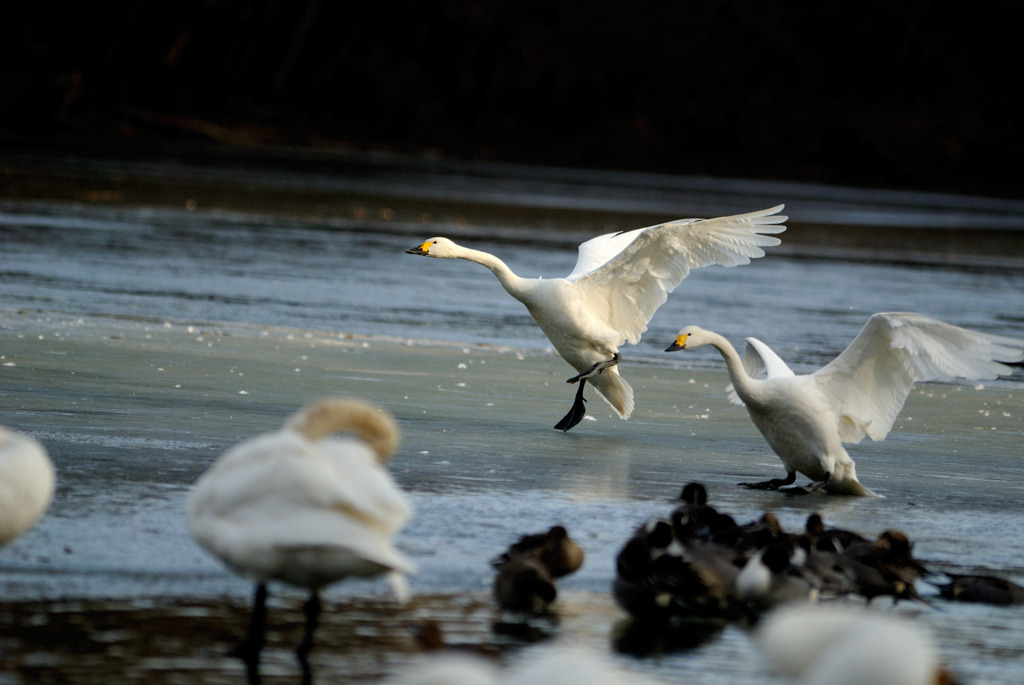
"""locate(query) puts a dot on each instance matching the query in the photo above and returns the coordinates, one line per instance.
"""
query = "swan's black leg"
(596, 368)
(249, 650)
(312, 611)
(809, 488)
(773, 484)
(577, 412)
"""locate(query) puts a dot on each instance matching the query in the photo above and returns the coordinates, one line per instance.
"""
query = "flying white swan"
(301, 507)
(619, 280)
(26, 483)
(807, 418)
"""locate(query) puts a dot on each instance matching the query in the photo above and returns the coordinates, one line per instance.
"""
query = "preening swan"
(619, 280)
(807, 418)
(26, 483)
(299, 506)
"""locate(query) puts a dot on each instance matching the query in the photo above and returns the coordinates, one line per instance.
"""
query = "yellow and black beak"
(679, 344)
(420, 249)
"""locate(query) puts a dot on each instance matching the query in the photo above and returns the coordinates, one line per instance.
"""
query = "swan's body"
(447, 669)
(300, 507)
(561, 662)
(619, 281)
(26, 483)
(841, 644)
(566, 663)
(807, 418)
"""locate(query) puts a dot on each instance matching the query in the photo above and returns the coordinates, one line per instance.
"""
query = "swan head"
(689, 337)
(442, 248)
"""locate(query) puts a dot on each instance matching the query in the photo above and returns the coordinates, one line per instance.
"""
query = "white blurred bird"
(553, 663)
(26, 483)
(619, 281)
(306, 509)
(842, 644)
(807, 418)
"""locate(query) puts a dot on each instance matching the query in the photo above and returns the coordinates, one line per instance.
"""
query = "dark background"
(910, 94)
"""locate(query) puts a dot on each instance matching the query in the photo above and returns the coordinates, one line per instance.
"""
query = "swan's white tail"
(851, 487)
(615, 391)
(844, 479)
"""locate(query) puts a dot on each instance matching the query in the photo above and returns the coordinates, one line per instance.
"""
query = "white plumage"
(807, 418)
(557, 663)
(301, 507)
(26, 483)
(566, 663)
(619, 281)
(447, 669)
(841, 644)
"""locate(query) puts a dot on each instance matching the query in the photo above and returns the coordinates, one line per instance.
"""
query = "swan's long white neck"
(512, 283)
(743, 383)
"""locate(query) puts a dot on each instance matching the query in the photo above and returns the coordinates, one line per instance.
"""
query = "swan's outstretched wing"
(869, 382)
(760, 362)
(596, 252)
(624, 277)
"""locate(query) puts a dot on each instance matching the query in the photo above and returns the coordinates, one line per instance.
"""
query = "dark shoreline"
(363, 189)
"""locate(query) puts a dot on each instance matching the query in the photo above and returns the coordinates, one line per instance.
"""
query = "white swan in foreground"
(26, 483)
(842, 644)
(301, 507)
(558, 663)
(620, 279)
(807, 418)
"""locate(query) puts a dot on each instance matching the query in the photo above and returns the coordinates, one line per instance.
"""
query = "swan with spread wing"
(806, 418)
(619, 281)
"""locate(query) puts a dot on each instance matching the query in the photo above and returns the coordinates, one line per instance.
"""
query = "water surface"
(139, 341)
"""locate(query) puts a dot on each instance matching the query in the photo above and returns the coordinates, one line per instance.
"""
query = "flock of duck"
(700, 563)
(308, 507)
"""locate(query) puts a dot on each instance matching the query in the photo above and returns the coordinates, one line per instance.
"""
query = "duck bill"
(678, 344)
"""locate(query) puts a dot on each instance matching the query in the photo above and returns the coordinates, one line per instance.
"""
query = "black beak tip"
(414, 250)
(673, 348)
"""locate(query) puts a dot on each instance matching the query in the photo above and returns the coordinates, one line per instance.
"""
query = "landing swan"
(619, 281)
(807, 418)
(300, 507)
(26, 483)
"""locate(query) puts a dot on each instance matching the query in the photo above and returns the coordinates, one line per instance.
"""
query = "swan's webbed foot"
(809, 488)
(773, 484)
(596, 369)
(577, 412)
